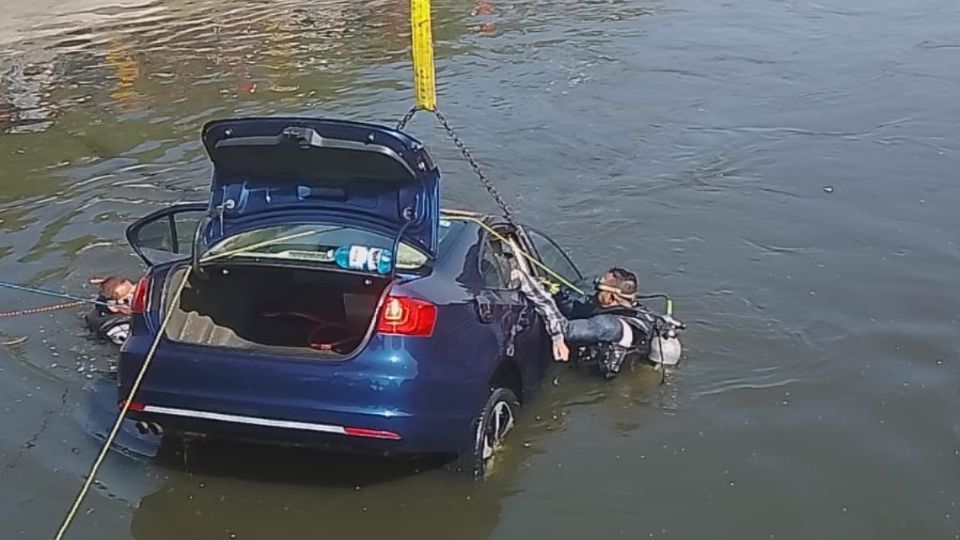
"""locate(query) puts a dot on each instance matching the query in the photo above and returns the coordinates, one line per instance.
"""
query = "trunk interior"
(275, 309)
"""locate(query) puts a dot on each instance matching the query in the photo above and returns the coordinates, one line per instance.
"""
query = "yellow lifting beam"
(424, 75)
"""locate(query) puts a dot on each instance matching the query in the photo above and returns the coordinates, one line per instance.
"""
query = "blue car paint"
(280, 175)
(427, 390)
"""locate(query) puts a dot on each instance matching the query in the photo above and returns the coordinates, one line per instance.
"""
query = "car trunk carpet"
(255, 308)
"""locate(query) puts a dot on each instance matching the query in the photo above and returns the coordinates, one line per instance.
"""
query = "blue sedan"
(321, 297)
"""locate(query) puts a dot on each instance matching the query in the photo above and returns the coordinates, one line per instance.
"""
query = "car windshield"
(316, 242)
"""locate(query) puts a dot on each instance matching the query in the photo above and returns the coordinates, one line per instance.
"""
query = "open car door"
(167, 234)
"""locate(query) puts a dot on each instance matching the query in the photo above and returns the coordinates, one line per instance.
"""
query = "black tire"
(498, 417)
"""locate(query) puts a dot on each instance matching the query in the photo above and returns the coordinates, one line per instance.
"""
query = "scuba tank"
(665, 348)
(655, 339)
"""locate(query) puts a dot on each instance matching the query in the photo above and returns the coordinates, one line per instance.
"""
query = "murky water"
(788, 170)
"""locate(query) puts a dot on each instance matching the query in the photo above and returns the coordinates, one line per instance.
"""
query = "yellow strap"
(526, 255)
(258, 245)
(531, 258)
(482, 224)
(424, 80)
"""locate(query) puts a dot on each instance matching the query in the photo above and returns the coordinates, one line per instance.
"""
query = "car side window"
(490, 269)
(173, 234)
(497, 262)
(167, 233)
(553, 257)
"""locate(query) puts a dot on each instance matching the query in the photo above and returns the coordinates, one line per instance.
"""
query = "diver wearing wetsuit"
(110, 317)
(608, 317)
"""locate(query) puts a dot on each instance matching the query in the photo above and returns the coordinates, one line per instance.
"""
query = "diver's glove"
(552, 287)
(610, 365)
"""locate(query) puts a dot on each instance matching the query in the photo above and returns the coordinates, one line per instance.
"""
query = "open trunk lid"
(268, 170)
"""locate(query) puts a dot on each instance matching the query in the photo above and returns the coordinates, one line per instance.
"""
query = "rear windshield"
(317, 242)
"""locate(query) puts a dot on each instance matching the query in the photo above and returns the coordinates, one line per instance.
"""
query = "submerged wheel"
(495, 422)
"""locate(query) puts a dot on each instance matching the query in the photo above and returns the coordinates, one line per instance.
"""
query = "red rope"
(5, 314)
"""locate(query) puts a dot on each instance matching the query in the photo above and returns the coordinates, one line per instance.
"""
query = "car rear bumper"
(397, 436)
(383, 401)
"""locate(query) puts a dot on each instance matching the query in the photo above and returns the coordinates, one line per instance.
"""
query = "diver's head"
(617, 287)
(115, 287)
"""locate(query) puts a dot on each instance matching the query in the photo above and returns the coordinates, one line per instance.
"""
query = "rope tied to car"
(44, 309)
(74, 301)
(135, 387)
(124, 409)
(47, 292)
(425, 88)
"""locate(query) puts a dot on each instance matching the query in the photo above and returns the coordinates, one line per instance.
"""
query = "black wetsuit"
(590, 323)
(107, 324)
(599, 331)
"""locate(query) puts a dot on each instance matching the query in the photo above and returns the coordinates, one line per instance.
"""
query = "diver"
(110, 317)
(604, 326)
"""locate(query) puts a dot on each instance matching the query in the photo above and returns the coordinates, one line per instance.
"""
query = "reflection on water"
(312, 493)
(26, 90)
(689, 140)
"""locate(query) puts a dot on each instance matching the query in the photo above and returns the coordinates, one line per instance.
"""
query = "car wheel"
(496, 420)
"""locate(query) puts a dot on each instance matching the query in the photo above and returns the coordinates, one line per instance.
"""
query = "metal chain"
(487, 184)
(406, 118)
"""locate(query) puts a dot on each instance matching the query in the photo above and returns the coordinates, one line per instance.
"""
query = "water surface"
(786, 169)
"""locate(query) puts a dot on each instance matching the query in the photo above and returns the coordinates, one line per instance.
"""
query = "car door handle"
(523, 319)
(484, 310)
(521, 308)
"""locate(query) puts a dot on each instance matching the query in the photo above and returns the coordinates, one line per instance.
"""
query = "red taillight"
(371, 433)
(134, 406)
(407, 317)
(140, 294)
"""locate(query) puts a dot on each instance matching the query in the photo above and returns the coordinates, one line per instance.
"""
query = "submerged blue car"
(272, 338)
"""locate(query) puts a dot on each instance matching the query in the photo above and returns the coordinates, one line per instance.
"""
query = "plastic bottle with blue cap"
(364, 258)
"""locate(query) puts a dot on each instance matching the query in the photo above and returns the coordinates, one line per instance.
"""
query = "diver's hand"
(120, 308)
(561, 353)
